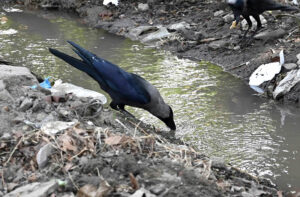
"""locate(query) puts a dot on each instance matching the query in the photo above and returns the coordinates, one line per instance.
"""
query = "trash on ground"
(266, 72)
(60, 87)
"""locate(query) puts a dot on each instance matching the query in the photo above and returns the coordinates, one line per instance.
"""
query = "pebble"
(26, 104)
(143, 7)
(6, 136)
(218, 13)
(298, 56)
(228, 18)
(290, 66)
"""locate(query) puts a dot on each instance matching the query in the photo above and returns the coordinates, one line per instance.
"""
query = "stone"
(143, 7)
(218, 13)
(51, 128)
(228, 18)
(36, 189)
(26, 104)
(270, 35)
(290, 66)
(155, 36)
(6, 136)
(135, 33)
(43, 155)
(298, 56)
(179, 26)
(286, 84)
(217, 44)
(9, 75)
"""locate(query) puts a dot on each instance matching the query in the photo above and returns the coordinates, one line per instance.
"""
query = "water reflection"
(213, 110)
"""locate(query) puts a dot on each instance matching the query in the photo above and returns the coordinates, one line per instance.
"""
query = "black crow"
(254, 8)
(124, 88)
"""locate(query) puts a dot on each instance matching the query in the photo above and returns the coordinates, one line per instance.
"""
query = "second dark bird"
(124, 88)
(254, 8)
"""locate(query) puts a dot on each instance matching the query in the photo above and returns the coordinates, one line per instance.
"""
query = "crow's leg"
(249, 25)
(114, 105)
(259, 26)
(124, 111)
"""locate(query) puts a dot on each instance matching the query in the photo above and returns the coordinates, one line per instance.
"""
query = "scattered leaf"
(134, 183)
(113, 140)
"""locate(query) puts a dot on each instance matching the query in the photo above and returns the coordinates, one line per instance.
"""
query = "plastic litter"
(115, 2)
(68, 88)
(45, 84)
(266, 72)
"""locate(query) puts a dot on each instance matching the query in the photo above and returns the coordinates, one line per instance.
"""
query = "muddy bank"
(65, 145)
(198, 30)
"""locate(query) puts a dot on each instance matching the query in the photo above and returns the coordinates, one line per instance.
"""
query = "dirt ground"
(103, 153)
(62, 145)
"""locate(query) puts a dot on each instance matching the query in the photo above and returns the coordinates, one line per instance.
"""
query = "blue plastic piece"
(45, 84)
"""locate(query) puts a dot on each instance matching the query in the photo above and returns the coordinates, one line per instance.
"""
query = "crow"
(254, 8)
(123, 87)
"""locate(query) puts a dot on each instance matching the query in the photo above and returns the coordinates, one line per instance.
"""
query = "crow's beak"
(233, 25)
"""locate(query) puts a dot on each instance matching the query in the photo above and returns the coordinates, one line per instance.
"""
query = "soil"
(99, 151)
(103, 152)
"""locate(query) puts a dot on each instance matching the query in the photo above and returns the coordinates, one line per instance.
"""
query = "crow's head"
(169, 121)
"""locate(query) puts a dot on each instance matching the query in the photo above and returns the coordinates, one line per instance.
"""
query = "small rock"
(51, 128)
(43, 155)
(36, 189)
(141, 193)
(228, 18)
(217, 44)
(286, 84)
(236, 48)
(158, 189)
(26, 104)
(179, 26)
(290, 66)
(298, 56)
(218, 13)
(270, 35)
(143, 7)
(6, 136)
(6, 108)
(155, 36)
(135, 33)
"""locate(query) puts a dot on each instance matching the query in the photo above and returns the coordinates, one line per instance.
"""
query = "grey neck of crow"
(157, 106)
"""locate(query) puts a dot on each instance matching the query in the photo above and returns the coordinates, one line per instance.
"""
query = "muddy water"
(214, 111)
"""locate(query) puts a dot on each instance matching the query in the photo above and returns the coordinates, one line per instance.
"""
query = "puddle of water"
(213, 110)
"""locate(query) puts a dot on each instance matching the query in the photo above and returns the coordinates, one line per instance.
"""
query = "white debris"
(266, 72)
(115, 2)
(8, 32)
(68, 88)
(12, 10)
(295, 2)
(51, 128)
(286, 84)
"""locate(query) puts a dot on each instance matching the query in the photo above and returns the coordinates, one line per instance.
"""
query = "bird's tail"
(72, 61)
(81, 52)
(283, 7)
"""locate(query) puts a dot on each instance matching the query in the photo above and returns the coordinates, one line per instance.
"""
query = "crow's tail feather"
(283, 8)
(80, 65)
